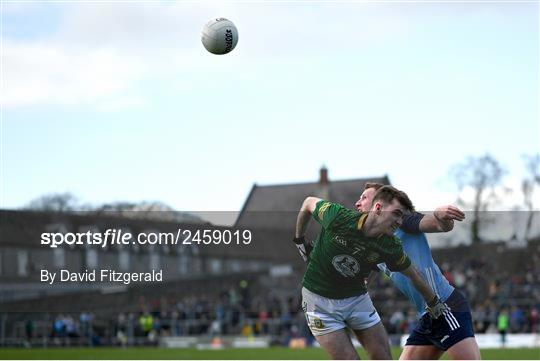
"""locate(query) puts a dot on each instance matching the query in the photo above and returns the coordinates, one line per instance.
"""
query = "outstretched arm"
(419, 283)
(435, 306)
(442, 219)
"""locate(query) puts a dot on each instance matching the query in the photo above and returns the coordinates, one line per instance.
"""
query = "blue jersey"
(417, 248)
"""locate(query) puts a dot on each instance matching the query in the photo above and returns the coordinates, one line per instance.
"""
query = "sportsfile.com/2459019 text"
(121, 237)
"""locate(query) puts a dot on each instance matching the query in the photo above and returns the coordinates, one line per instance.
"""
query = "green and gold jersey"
(343, 256)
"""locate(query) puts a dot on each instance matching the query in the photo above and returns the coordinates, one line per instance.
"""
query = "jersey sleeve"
(326, 212)
(411, 223)
(394, 256)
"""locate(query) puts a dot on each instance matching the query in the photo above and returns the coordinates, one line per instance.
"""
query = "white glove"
(303, 249)
(436, 308)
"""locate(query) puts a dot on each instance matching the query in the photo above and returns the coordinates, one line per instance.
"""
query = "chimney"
(323, 176)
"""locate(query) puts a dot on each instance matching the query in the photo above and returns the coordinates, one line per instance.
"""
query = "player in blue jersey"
(432, 337)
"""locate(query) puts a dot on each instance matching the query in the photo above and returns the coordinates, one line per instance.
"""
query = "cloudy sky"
(119, 100)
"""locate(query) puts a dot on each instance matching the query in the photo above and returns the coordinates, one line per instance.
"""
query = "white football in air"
(219, 36)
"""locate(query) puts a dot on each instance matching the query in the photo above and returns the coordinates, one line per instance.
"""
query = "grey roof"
(276, 206)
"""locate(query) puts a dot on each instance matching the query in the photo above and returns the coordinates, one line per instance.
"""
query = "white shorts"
(325, 315)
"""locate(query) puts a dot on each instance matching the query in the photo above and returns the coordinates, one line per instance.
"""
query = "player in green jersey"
(350, 245)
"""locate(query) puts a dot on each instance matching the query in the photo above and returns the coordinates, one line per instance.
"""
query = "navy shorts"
(447, 330)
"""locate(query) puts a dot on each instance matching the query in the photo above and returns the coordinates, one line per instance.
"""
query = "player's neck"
(370, 228)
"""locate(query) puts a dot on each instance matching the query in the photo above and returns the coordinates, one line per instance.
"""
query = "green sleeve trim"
(326, 213)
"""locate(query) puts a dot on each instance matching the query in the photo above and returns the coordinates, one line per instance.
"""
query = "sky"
(119, 101)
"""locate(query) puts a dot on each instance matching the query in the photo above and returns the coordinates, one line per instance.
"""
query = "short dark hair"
(373, 185)
(388, 194)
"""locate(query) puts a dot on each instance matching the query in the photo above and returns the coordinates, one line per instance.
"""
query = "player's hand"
(304, 247)
(449, 213)
(436, 308)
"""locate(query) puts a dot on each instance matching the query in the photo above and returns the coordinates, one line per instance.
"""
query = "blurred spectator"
(502, 326)
(146, 323)
(71, 327)
(86, 323)
(29, 329)
(121, 330)
(517, 320)
(534, 319)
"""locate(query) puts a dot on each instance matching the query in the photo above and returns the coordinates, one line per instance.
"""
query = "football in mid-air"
(219, 36)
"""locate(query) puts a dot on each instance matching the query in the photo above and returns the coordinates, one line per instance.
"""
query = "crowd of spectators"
(249, 309)
(235, 311)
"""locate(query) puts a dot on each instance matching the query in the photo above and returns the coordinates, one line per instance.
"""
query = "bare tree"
(531, 180)
(147, 210)
(118, 207)
(482, 174)
(67, 202)
(56, 202)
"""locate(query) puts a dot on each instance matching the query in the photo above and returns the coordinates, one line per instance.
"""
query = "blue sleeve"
(411, 223)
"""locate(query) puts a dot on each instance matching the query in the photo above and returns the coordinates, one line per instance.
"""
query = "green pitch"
(273, 353)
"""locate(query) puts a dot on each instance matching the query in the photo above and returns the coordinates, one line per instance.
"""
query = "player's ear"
(378, 208)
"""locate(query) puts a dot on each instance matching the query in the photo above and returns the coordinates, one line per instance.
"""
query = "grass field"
(272, 353)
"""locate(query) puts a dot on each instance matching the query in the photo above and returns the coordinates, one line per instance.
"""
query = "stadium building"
(231, 291)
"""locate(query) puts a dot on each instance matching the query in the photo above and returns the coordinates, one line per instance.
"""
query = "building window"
(59, 257)
(84, 229)
(154, 261)
(22, 263)
(165, 248)
(214, 266)
(196, 266)
(183, 264)
(235, 266)
(256, 265)
(91, 258)
(123, 260)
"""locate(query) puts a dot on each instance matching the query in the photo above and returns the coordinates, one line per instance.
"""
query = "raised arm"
(442, 219)
(305, 215)
(309, 205)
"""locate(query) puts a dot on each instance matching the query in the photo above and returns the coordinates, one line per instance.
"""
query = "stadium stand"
(220, 291)
(259, 304)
